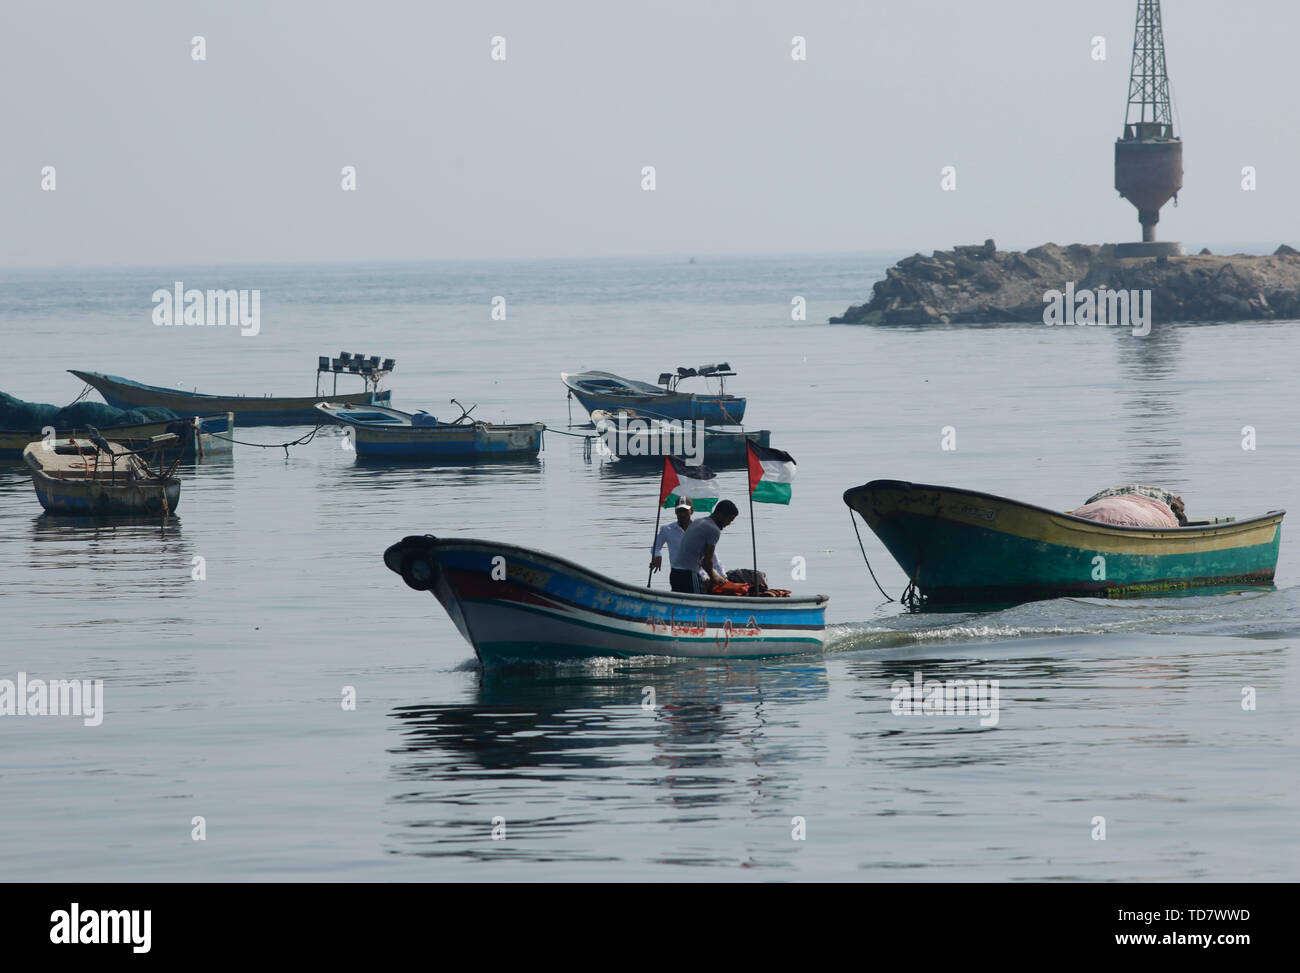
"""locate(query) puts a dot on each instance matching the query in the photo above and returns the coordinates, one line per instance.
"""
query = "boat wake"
(850, 638)
(1251, 614)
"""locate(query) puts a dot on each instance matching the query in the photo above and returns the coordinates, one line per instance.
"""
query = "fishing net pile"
(19, 416)
(1133, 505)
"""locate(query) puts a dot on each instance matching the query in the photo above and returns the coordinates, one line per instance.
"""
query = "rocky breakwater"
(982, 284)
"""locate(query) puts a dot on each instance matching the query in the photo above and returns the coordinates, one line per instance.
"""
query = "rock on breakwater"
(981, 284)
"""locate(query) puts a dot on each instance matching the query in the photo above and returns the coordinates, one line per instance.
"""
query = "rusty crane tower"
(1148, 156)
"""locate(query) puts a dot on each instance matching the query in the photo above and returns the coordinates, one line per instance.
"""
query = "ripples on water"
(223, 695)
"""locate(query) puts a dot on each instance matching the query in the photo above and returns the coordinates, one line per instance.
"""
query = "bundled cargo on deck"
(21, 416)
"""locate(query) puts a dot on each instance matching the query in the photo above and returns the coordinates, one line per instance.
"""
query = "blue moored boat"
(630, 436)
(517, 605)
(382, 433)
(604, 390)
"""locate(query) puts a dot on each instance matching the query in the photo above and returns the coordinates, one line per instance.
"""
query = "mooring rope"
(864, 554)
(301, 440)
(575, 435)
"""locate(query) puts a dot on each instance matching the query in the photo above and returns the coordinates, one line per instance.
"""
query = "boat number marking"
(696, 626)
(530, 576)
(750, 630)
(987, 514)
(675, 627)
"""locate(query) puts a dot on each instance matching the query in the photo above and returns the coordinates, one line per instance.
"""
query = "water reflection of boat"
(581, 717)
(552, 750)
(514, 604)
(57, 561)
(57, 530)
(467, 473)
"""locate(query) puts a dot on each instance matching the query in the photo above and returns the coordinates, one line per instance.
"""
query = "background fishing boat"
(514, 604)
(630, 435)
(207, 436)
(963, 547)
(81, 477)
(389, 434)
(604, 390)
(250, 410)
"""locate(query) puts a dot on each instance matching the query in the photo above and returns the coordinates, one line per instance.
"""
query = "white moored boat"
(84, 478)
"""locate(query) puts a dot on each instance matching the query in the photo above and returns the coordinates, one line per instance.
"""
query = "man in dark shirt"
(701, 539)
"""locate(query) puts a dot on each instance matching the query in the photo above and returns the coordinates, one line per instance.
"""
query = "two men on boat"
(692, 547)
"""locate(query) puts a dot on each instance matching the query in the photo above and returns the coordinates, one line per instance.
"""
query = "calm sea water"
(222, 696)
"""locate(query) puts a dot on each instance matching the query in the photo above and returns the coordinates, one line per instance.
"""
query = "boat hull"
(121, 495)
(714, 409)
(480, 441)
(965, 547)
(640, 439)
(249, 410)
(516, 605)
(101, 500)
(388, 434)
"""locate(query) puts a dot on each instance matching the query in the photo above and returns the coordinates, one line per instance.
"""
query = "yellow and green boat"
(964, 547)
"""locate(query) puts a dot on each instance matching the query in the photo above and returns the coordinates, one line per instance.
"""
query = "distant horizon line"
(1220, 249)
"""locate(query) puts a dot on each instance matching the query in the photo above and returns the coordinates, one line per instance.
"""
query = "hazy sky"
(161, 159)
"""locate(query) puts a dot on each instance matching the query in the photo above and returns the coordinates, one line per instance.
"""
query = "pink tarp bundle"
(1128, 510)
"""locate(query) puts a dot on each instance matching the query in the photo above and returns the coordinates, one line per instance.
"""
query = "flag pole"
(651, 573)
(659, 510)
(753, 530)
(753, 539)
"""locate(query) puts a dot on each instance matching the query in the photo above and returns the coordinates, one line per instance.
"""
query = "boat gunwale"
(133, 473)
(278, 400)
(1225, 527)
(407, 425)
(652, 391)
(634, 591)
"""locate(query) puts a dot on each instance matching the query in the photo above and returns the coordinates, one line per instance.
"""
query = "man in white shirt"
(700, 544)
(681, 576)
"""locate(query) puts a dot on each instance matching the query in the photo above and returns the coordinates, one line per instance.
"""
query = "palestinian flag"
(696, 483)
(770, 474)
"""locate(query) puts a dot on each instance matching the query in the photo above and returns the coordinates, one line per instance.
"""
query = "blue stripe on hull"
(507, 631)
(64, 503)
(710, 410)
(717, 449)
(420, 450)
(648, 607)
